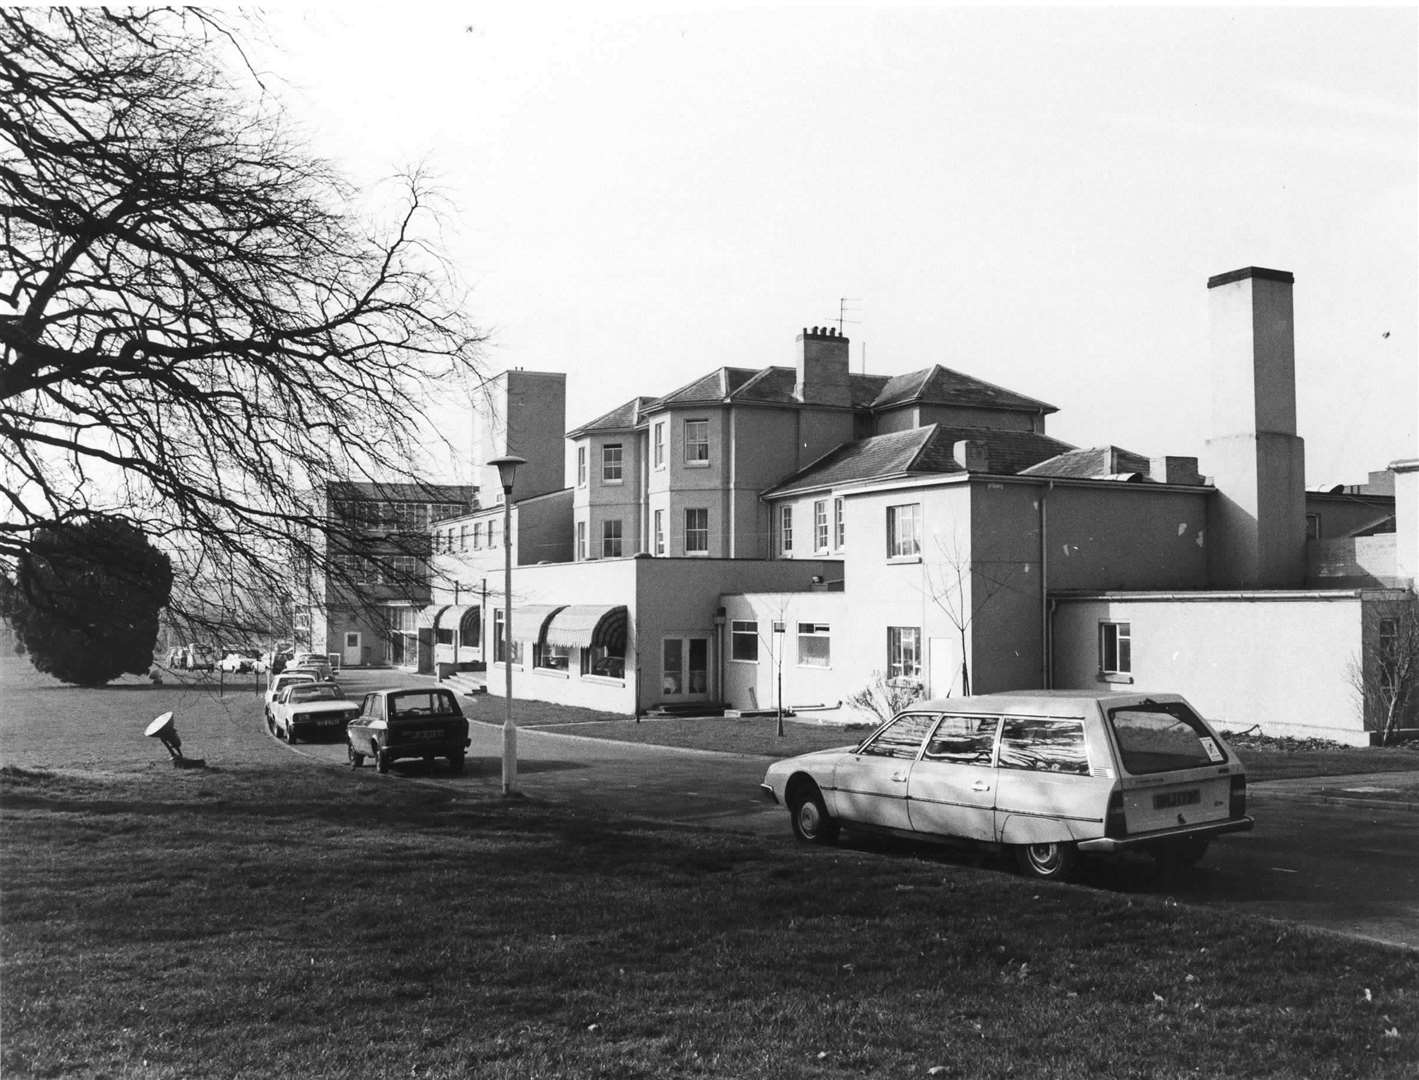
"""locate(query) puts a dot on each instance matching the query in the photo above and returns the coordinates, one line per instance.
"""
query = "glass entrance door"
(684, 668)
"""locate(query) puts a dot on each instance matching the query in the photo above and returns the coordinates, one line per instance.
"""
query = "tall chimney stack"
(821, 360)
(1256, 532)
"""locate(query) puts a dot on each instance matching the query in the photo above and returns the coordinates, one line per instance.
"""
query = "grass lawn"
(286, 921)
(275, 918)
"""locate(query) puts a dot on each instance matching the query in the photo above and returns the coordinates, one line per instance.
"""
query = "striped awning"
(527, 620)
(451, 618)
(580, 625)
(429, 617)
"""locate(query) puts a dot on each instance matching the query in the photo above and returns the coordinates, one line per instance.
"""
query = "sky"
(638, 195)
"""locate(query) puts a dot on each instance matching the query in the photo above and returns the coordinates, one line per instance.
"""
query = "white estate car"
(1048, 774)
(307, 709)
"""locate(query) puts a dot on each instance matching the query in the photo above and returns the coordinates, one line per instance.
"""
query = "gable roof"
(917, 451)
(937, 385)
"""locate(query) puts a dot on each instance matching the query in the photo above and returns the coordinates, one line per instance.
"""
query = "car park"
(408, 723)
(304, 710)
(1047, 775)
(276, 685)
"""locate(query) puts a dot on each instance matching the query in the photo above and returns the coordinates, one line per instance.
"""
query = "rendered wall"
(1282, 664)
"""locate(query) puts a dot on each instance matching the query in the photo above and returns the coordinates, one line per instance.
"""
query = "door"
(684, 669)
(870, 786)
(352, 654)
(952, 787)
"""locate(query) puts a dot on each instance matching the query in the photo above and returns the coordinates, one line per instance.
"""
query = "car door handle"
(980, 785)
(898, 778)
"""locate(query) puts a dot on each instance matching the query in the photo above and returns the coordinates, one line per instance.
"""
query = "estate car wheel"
(356, 759)
(809, 816)
(382, 759)
(1049, 862)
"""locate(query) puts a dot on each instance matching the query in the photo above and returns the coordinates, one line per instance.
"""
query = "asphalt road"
(1350, 868)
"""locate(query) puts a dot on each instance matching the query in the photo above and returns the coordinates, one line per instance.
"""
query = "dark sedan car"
(408, 723)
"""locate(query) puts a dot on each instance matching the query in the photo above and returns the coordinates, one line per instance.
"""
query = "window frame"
(696, 446)
(897, 654)
(607, 539)
(581, 466)
(658, 532)
(904, 544)
(744, 632)
(839, 525)
(658, 443)
(1116, 643)
(815, 631)
(613, 463)
(820, 525)
(785, 529)
(698, 530)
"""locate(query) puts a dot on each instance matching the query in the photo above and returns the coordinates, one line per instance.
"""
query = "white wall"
(1281, 661)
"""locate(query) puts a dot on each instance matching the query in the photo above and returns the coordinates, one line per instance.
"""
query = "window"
(581, 540)
(552, 657)
(443, 635)
(1115, 648)
(744, 640)
(1312, 526)
(963, 740)
(478, 535)
(1156, 737)
(499, 645)
(902, 738)
(820, 525)
(611, 539)
(785, 530)
(581, 466)
(463, 538)
(1043, 745)
(1387, 652)
(904, 531)
(660, 532)
(903, 652)
(658, 443)
(697, 442)
(611, 463)
(838, 527)
(697, 531)
(813, 650)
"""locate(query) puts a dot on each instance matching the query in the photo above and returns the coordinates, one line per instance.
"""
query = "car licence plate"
(1170, 799)
(424, 736)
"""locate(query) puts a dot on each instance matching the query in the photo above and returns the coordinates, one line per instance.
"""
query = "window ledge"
(551, 673)
(1114, 677)
(697, 464)
(895, 560)
(603, 680)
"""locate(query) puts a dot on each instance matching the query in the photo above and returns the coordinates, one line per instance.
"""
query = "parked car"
(194, 657)
(408, 723)
(305, 709)
(318, 662)
(241, 660)
(276, 685)
(1046, 774)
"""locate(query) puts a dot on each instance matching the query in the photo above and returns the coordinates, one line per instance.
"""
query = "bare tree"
(197, 333)
(961, 588)
(1386, 674)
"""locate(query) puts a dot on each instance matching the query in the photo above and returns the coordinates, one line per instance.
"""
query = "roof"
(939, 385)
(622, 418)
(917, 452)
(1095, 463)
(402, 492)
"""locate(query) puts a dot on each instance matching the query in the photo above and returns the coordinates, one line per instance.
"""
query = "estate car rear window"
(901, 738)
(1156, 737)
(1043, 744)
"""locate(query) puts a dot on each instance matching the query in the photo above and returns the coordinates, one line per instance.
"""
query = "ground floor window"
(744, 640)
(554, 657)
(611, 539)
(814, 645)
(500, 645)
(1115, 648)
(903, 652)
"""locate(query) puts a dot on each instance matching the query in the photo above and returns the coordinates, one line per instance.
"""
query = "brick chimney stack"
(821, 356)
(1256, 531)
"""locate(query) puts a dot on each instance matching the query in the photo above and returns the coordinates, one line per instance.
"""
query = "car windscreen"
(1155, 737)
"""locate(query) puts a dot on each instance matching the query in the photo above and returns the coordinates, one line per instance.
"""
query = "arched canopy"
(583, 626)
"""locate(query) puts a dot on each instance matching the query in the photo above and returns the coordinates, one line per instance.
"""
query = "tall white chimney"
(1256, 531)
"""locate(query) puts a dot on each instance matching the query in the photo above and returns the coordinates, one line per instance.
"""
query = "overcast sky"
(1034, 196)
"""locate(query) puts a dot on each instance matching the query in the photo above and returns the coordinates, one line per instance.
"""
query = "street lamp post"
(507, 470)
(779, 630)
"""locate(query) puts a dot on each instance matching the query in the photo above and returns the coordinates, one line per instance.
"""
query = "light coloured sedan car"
(1047, 775)
(408, 723)
(305, 710)
(276, 685)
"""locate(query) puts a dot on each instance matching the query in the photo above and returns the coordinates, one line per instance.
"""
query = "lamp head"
(507, 469)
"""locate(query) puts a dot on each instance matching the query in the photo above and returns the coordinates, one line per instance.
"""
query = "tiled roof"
(1095, 463)
(938, 385)
(918, 451)
(621, 418)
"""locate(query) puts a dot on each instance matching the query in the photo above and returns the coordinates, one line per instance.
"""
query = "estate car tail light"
(1237, 806)
(1115, 824)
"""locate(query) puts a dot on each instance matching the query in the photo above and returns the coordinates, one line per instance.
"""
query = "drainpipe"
(1046, 609)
